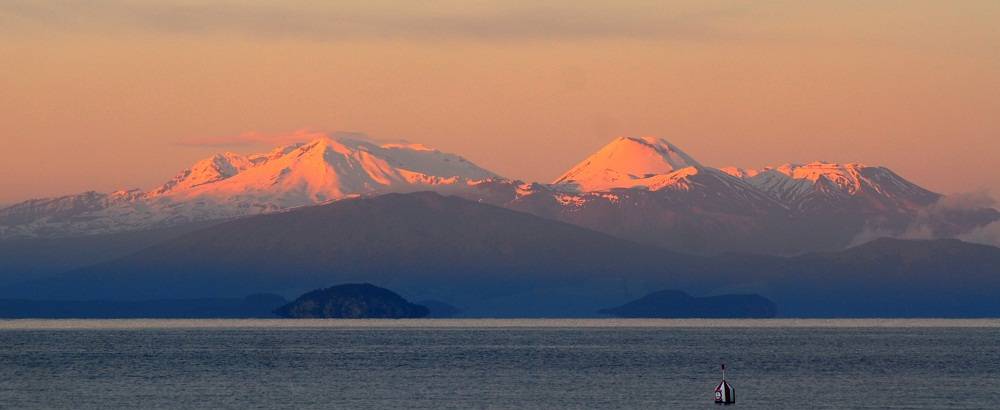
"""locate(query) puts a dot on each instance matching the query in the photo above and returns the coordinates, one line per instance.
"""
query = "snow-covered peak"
(126, 194)
(796, 183)
(846, 178)
(227, 185)
(208, 170)
(624, 163)
(320, 170)
(739, 172)
(278, 152)
(409, 146)
(678, 180)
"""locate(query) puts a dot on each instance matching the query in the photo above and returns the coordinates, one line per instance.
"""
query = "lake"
(462, 364)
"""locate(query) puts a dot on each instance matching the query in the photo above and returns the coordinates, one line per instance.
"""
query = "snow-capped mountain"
(318, 171)
(627, 162)
(649, 190)
(228, 185)
(207, 171)
(644, 189)
(655, 165)
(823, 185)
(62, 208)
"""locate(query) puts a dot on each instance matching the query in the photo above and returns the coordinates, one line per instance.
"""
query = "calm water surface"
(543, 364)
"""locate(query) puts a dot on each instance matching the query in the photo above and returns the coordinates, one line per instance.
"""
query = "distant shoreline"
(109, 324)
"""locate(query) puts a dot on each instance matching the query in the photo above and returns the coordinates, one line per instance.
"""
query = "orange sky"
(108, 94)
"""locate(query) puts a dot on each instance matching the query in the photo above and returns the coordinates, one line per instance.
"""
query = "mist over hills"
(24, 259)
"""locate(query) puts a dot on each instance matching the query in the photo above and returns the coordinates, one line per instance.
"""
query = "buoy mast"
(724, 393)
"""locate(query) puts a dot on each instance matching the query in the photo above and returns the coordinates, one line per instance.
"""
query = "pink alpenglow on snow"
(229, 185)
(625, 163)
(320, 170)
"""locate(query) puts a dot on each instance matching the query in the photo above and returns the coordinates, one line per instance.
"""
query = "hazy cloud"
(914, 231)
(987, 235)
(932, 222)
(966, 200)
(341, 20)
(254, 138)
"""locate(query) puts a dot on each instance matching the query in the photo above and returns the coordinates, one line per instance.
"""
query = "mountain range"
(422, 245)
(230, 185)
(496, 262)
(639, 188)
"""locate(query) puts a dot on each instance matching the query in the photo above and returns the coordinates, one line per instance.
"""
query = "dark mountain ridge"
(423, 245)
(678, 304)
(497, 262)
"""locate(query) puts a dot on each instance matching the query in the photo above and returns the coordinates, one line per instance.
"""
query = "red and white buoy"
(724, 393)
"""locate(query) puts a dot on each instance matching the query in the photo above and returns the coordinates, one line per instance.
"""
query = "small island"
(352, 301)
(677, 304)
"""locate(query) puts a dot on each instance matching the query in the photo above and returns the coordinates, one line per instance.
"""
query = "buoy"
(724, 393)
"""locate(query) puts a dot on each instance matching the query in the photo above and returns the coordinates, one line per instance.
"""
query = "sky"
(109, 94)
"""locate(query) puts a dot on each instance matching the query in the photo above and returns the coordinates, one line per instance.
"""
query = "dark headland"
(352, 301)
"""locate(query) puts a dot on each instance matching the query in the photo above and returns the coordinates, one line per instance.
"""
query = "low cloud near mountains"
(930, 222)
